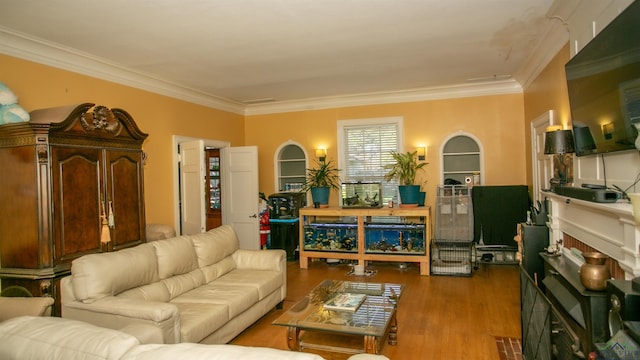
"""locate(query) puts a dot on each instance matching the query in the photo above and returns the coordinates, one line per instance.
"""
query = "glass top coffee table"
(311, 326)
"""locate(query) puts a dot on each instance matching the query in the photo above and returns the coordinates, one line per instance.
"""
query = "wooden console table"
(360, 253)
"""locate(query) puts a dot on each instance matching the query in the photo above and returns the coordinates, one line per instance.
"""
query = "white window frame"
(398, 121)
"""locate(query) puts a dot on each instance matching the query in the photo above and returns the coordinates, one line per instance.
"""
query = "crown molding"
(390, 97)
(26, 47)
(29, 48)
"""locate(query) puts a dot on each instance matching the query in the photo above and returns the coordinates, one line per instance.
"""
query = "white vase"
(635, 203)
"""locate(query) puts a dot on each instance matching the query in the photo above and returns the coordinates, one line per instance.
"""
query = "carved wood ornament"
(101, 118)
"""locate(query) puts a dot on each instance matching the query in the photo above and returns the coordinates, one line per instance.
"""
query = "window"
(364, 148)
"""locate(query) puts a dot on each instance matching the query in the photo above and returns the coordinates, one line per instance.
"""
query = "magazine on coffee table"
(345, 302)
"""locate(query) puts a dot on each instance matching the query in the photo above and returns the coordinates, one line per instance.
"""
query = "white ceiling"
(253, 51)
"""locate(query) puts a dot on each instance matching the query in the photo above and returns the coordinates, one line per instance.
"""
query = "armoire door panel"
(19, 214)
(76, 174)
(124, 195)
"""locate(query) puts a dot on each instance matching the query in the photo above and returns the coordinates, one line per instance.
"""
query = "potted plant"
(404, 169)
(320, 180)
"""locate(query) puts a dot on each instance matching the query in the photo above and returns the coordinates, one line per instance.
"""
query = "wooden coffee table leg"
(370, 346)
(293, 340)
(393, 331)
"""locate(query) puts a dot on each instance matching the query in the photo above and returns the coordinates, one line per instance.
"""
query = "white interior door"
(542, 164)
(240, 200)
(192, 178)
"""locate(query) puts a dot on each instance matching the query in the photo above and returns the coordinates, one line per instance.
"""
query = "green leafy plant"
(405, 168)
(325, 174)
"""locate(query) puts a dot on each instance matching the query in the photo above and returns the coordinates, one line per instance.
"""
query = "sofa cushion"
(264, 281)
(213, 352)
(215, 245)
(198, 321)
(30, 337)
(218, 269)
(156, 291)
(175, 256)
(180, 284)
(99, 275)
(237, 297)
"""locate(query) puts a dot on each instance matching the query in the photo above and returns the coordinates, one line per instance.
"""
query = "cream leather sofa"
(198, 288)
(50, 338)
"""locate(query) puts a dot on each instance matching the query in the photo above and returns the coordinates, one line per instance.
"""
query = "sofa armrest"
(274, 259)
(11, 307)
(116, 313)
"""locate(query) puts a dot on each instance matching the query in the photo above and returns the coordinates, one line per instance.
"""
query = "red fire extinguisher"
(265, 229)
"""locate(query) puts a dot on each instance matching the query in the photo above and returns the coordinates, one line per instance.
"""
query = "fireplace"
(570, 242)
(560, 318)
(608, 228)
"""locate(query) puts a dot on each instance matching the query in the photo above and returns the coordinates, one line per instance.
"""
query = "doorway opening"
(182, 206)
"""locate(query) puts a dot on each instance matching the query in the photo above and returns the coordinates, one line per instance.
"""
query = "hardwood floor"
(439, 317)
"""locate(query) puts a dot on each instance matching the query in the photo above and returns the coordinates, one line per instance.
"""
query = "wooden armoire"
(72, 185)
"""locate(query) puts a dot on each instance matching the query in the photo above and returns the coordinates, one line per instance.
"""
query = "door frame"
(176, 140)
(545, 119)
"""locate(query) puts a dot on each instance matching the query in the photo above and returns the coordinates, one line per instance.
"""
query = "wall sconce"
(607, 130)
(321, 154)
(559, 142)
(422, 152)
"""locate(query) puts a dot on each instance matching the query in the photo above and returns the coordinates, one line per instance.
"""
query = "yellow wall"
(547, 92)
(500, 122)
(497, 121)
(38, 86)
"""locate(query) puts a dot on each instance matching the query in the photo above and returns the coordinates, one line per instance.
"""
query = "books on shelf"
(345, 302)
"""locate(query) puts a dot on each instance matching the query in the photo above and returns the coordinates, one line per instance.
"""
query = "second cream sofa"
(198, 288)
(51, 338)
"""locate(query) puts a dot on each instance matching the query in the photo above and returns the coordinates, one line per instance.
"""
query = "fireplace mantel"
(608, 227)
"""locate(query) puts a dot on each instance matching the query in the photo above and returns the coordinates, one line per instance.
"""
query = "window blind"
(367, 149)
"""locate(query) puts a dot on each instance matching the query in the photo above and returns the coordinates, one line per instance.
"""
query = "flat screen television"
(603, 81)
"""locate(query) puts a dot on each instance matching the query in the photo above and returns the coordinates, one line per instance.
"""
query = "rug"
(509, 348)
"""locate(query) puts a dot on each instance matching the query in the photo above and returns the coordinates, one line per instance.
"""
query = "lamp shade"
(584, 141)
(558, 142)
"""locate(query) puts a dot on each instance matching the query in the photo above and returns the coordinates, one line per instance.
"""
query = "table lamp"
(559, 142)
